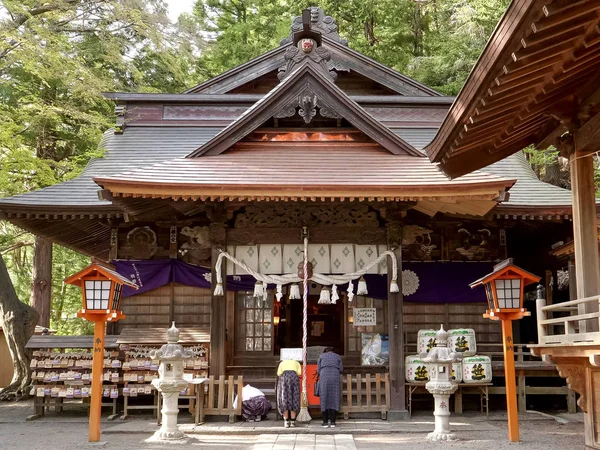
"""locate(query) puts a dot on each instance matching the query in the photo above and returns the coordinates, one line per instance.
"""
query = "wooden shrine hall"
(311, 139)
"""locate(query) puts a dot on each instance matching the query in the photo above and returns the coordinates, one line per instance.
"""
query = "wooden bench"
(365, 393)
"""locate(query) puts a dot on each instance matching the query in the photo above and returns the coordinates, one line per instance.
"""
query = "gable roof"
(538, 71)
(306, 79)
(344, 55)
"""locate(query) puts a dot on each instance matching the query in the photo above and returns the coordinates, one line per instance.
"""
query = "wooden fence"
(219, 397)
(365, 393)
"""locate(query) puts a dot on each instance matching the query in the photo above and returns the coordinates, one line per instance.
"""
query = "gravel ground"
(69, 432)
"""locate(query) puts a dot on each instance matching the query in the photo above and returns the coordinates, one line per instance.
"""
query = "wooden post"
(97, 373)
(585, 233)
(396, 331)
(41, 288)
(572, 279)
(218, 317)
(511, 382)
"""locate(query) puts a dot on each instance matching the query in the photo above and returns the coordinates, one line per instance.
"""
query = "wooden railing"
(220, 395)
(574, 326)
(365, 393)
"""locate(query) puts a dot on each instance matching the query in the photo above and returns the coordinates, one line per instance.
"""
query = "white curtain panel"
(292, 256)
(342, 258)
(248, 254)
(270, 259)
(318, 255)
(365, 254)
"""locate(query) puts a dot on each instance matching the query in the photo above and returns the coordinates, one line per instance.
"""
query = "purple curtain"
(437, 282)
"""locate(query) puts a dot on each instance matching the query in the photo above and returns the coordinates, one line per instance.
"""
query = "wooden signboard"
(364, 317)
(294, 354)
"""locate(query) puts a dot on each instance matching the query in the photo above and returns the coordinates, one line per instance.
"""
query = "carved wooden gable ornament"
(307, 91)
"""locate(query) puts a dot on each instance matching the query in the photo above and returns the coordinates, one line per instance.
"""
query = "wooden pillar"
(572, 279)
(587, 262)
(218, 314)
(396, 330)
(41, 287)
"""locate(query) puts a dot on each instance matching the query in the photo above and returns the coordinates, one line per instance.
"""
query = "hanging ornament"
(334, 294)
(295, 292)
(362, 287)
(219, 290)
(279, 293)
(350, 291)
(394, 286)
(258, 289)
(325, 298)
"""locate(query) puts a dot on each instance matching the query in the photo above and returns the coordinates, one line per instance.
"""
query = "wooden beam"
(587, 138)
(571, 12)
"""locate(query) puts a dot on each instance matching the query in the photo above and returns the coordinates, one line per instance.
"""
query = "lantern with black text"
(101, 289)
(504, 288)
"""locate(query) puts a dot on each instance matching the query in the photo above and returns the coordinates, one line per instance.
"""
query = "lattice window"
(254, 322)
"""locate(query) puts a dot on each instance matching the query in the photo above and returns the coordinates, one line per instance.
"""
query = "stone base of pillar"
(436, 436)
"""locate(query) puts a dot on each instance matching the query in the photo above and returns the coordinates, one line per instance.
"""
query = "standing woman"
(329, 369)
(288, 391)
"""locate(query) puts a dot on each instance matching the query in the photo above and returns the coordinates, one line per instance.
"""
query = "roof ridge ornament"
(307, 46)
(326, 25)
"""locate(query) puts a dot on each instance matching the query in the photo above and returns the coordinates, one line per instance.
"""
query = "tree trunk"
(41, 287)
(18, 321)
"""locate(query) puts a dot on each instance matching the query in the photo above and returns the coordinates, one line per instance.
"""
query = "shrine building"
(311, 139)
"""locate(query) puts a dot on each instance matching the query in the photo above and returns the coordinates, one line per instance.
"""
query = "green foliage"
(56, 59)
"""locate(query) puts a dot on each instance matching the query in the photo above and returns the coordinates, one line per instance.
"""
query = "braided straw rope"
(304, 415)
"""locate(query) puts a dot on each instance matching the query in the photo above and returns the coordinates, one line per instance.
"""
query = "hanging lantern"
(325, 298)
(295, 292)
(258, 289)
(362, 287)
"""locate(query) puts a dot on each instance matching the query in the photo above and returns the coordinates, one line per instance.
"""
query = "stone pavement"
(68, 431)
(304, 442)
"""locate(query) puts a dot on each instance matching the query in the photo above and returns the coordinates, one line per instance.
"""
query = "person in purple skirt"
(329, 368)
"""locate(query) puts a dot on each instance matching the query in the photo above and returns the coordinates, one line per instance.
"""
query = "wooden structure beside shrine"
(537, 82)
(311, 134)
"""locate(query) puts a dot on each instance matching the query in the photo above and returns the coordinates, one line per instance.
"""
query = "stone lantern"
(170, 383)
(440, 384)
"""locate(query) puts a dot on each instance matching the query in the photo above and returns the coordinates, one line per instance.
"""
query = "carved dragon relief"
(279, 216)
(326, 25)
(575, 377)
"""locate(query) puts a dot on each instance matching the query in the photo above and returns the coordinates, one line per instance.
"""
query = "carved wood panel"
(275, 216)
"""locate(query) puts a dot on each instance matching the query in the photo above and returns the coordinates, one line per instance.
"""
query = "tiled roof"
(278, 165)
(144, 146)
(137, 147)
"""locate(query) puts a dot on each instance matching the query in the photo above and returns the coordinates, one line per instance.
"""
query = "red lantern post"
(101, 292)
(504, 288)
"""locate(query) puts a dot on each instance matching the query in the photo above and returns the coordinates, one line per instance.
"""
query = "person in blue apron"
(329, 368)
(288, 391)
